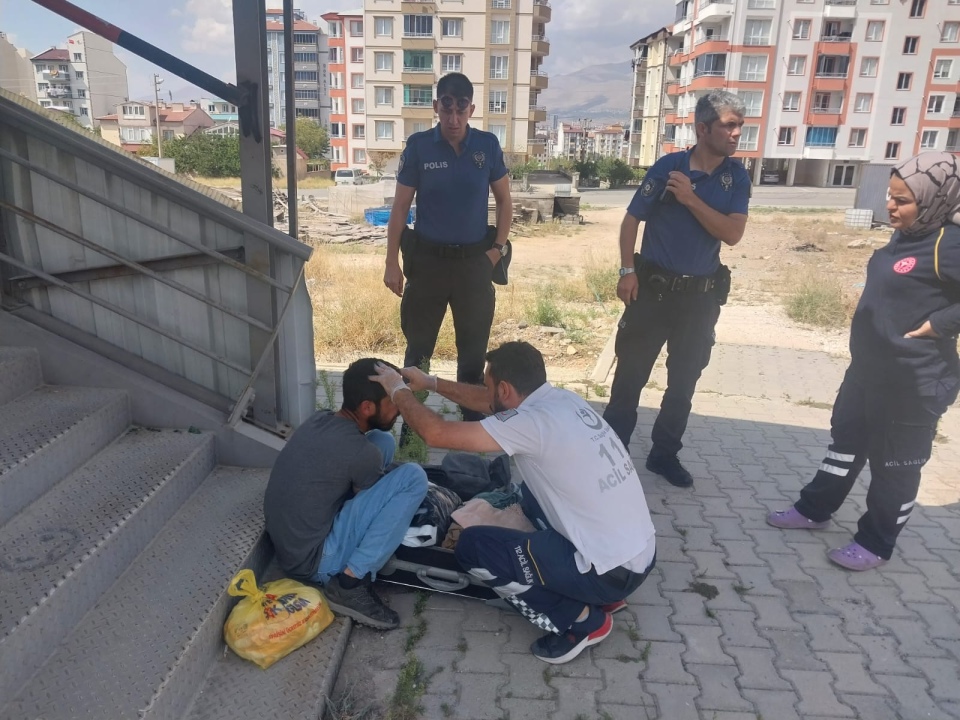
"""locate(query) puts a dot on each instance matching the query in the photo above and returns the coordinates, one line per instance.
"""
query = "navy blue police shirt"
(452, 190)
(672, 237)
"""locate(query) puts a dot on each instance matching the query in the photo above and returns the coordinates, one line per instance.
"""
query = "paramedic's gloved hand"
(390, 379)
(418, 380)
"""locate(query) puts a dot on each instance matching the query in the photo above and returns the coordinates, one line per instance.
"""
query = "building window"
(45, 103)
(824, 103)
(43, 87)
(384, 129)
(868, 66)
(356, 80)
(84, 110)
(757, 32)
(451, 27)
(497, 102)
(935, 104)
(78, 74)
(785, 136)
(418, 61)
(303, 57)
(500, 5)
(338, 130)
(898, 116)
(797, 65)
(359, 132)
(78, 57)
(134, 111)
(904, 80)
(336, 56)
(356, 28)
(943, 69)
(335, 29)
(753, 68)
(821, 137)
(383, 96)
(357, 106)
(753, 100)
(801, 30)
(306, 76)
(950, 32)
(417, 95)
(748, 137)
(892, 152)
(875, 31)
(304, 38)
(910, 44)
(418, 25)
(863, 103)
(500, 32)
(499, 67)
(336, 106)
(336, 81)
(356, 55)
(81, 93)
(953, 141)
(917, 8)
(306, 95)
(928, 140)
(419, 126)
(383, 61)
(359, 156)
(451, 63)
(64, 68)
(383, 27)
(762, 4)
(791, 101)
(833, 66)
(858, 138)
(500, 131)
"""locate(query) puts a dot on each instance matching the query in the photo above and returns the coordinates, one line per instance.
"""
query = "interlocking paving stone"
(677, 702)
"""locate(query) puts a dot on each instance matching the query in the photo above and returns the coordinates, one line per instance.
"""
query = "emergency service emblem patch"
(505, 415)
(726, 180)
(647, 189)
(479, 159)
(403, 157)
(902, 267)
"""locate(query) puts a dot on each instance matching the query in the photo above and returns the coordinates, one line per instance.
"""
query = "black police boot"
(358, 600)
(669, 467)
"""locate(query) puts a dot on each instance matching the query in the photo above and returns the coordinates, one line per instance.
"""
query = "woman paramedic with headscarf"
(904, 371)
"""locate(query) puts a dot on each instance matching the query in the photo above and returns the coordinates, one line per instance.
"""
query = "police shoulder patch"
(647, 189)
(506, 415)
(403, 158)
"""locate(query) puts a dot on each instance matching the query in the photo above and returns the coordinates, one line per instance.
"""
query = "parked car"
(348, 176)
(770, 177)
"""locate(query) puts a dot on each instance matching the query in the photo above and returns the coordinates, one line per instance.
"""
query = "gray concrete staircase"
(117, 543)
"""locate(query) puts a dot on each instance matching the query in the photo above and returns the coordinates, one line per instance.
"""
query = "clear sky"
(582, 32)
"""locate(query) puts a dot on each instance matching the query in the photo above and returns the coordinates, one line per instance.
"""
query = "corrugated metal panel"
(872, 191)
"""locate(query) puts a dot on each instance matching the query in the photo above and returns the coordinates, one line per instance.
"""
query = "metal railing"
(824, 74)
(709, 73)
(828, 110)
(416, 69)
(712, 38)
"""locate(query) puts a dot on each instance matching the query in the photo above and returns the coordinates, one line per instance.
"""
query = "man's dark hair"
(518, 363)
(455, 85)
(357, 385)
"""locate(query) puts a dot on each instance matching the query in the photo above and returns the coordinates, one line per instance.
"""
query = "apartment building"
(348, 120)
(648, 64)
(608, 142)
(311, 71)
(499, 44)
(84, 78)
(830, 85)
(17, 75)
(133, 125)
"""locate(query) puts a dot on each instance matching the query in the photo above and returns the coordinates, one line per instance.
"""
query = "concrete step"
(59, 555)
(50, 432)
(19, 372)
(143, 650)
(237, 688)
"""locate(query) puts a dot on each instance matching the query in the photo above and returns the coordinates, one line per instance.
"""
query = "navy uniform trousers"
(894, 431)
(685, 321)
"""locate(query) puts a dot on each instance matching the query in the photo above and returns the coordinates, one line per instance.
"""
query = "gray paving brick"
(576, 696)
(703, 645)
(664, 664)
(653, 623)
(871, 707)
(525, 677)
(621, 684)
(776, 704)
(743, 499)
(675, 576)
(618, 644)
(710, 565)
(825, 634)
(857, 618)
(670, 549)
(689, 608)
(520, 633)
(439, 666)
(816, 694)
(757, 670)
(944, 677)
(911, 694)
(728, 528)
(609, 711)
(742, 552)
(717, 511)
(483, 617)
(444, 629)
(941, 620)
(935, 538)
(781, 571)
(772, 613)
(688, 516)
(649, 592)
(583, 667)
(739, 629)
(850, 673)
(478, 696)
(676, 702)
(912, 638)
(885, 602)
(439, 706)
(883, 655)
(757, 579)
(835, 585)
(484, 652)
(792, 652)
(699, 539)
(523, 709)
(718, 687)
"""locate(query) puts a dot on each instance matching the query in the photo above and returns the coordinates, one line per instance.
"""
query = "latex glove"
(418, 380)
(390, 379)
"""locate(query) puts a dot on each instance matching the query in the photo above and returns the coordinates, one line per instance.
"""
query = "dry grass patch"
(818, 299)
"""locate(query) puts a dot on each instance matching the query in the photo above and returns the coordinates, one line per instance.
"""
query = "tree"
(379, 159)
(312, 138)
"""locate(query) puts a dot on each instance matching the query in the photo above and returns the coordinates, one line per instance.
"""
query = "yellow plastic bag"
(271, 622)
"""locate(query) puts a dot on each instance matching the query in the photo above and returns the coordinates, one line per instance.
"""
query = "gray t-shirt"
(323, 463)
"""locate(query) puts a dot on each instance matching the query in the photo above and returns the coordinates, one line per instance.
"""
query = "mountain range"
(600, 93)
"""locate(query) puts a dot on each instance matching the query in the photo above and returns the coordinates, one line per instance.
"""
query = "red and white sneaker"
(559, 649)
(614, 607)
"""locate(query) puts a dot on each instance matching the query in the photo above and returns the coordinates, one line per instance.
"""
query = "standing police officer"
(691, 202)
(451, 255)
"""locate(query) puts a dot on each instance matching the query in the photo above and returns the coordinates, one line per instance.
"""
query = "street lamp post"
(157, 82)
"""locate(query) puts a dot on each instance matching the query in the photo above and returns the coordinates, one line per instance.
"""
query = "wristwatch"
(502, 249)
(627, 271)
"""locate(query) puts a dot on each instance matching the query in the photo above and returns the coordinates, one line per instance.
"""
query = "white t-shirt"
(582, 476)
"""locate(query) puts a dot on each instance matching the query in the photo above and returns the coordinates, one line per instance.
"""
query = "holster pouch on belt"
(412, 244)
(721, 285)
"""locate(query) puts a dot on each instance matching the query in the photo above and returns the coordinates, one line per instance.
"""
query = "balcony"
(716, 38)
(540, 45)
(715, 9)
(59, 92)
(538, 113)
(672, 88)
(538, 80)
(676, 58)
(827, 110)
(56, 76)
(840, 9)
(542, 11)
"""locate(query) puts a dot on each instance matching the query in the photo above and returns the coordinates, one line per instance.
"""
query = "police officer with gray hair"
(691, 203)
(452, 256)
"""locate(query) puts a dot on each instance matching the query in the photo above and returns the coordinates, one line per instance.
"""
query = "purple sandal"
(855, 557)
(792, 520)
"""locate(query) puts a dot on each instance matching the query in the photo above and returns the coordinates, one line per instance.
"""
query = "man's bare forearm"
(472, 397)
(628, 239)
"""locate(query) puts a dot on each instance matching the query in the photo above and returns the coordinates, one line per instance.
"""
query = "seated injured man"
(594, 544)
(334, 513)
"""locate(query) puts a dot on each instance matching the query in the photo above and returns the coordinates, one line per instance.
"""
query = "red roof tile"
(298, 25)
(53, 54)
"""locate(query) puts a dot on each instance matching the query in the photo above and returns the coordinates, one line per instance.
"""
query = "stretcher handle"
(423, 575)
